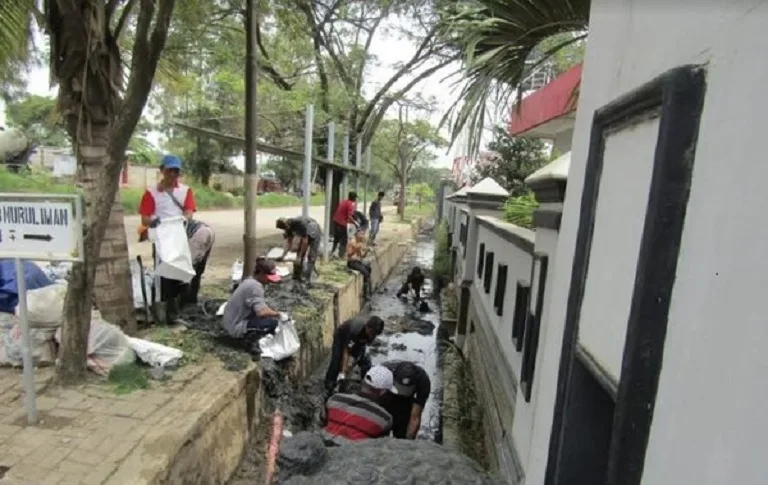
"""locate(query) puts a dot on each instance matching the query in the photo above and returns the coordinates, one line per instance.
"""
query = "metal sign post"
(39, 227)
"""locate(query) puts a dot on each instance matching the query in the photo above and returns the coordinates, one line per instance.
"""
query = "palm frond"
(497, 39)
(15, 30)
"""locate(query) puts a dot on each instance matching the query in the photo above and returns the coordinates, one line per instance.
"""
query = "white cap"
(381, 378)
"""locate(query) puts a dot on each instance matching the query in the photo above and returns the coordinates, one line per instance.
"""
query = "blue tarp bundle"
(9, 289)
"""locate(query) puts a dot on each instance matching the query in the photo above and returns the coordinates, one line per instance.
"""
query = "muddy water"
(410, 334)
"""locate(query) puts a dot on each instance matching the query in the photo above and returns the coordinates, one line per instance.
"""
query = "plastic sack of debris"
(154, 354)
(11, 339)
(107, 346)
(170, 239)
(282, 344)
(57, 271)
(277, 251)
(45, 306)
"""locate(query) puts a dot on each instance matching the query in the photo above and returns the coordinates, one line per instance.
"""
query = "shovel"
(144, 290)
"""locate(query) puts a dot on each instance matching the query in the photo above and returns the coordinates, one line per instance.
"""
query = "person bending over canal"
(355, 253)
(308, 232)
(343, 217)
(247, 314)
(169, 198)
(406, 401)
(355, 417)
(415, 282)
(201, 238)
(349, 341)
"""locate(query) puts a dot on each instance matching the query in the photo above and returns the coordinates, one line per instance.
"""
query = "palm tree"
(498, 38)
(100, 117)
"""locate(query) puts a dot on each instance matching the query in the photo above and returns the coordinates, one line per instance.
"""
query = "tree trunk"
(98, 193)
(401, 200)
(113, 289)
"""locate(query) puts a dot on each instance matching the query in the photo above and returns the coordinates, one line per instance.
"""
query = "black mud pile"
(304, 460)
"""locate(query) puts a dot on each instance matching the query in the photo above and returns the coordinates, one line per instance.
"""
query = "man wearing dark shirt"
(412, 387)
(309, 233)
(341, 218)
(376, 217)
(350, 340)
(414, 282)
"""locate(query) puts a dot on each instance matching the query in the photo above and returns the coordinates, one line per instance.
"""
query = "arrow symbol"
(39, 237)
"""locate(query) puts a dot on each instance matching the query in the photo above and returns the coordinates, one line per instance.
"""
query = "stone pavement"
(84, 433)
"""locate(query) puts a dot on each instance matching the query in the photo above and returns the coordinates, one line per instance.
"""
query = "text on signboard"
(35, 216)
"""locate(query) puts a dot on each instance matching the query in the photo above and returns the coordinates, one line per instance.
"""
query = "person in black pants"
(343, 216)
(349, 342)
(413, 387)
(201, 238)
(355, 255)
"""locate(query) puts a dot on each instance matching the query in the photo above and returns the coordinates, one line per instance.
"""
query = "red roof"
(548, 103)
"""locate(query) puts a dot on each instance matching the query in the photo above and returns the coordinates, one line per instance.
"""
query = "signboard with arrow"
(41, 227)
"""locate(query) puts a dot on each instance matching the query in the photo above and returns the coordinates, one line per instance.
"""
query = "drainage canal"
(410, 334)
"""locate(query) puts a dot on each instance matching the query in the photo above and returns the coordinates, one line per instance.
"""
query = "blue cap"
(171, 161)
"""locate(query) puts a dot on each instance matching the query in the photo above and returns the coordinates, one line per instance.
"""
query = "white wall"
(518, 264)
(710, 423)
(619, 218)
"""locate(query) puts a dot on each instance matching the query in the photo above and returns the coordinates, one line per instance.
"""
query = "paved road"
(228, 225)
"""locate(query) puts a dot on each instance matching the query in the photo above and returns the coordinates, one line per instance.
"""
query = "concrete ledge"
(201, 434)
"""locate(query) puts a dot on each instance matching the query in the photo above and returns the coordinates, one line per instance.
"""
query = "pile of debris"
(108, 346)
(305, 460)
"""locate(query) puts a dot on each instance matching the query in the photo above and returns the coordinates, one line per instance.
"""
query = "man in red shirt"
(169, 198)
(354, 417)
(343, 216)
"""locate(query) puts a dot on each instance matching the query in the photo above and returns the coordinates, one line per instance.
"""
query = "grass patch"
(126, 378)
(31, 182)
(334, 271)
(441, 265)
(413, 212)
(192, 343)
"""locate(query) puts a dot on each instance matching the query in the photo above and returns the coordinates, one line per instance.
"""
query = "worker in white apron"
(169, 198)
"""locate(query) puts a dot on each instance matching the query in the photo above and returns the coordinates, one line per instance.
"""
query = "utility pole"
(306, 182)
(251, 107)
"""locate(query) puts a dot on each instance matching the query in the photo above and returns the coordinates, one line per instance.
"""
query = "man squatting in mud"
(247, 314)
(350, 340)
(415, 282)
(406, 399)
(308, 231)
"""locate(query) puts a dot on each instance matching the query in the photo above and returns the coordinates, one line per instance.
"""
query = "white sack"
(170, 239)
(45, 306)
(107, 346)
(154, 354)
(282, 344)
(11, 343)
(136, 280)
(277, 251)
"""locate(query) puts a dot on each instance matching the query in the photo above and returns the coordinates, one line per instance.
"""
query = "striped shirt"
(352, 417)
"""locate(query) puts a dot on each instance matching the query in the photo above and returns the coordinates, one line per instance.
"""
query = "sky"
(388, 49)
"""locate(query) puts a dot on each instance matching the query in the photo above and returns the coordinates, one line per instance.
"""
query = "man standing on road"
(308, 231)
(355, 417)
(406, 402)
(341, 218)
(247, 314)
(376, 217)
(169, 198)
(350, 340)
